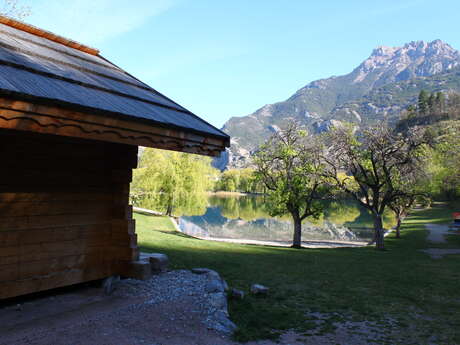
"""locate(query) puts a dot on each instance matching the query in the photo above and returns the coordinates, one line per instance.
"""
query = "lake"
(245, 218)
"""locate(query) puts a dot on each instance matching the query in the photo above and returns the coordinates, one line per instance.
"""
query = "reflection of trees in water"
(187, 204)
(340, 212)
(245, 217)
(240, 207)
(267, 229)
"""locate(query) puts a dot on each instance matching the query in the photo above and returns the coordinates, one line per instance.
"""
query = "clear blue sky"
(223, 58)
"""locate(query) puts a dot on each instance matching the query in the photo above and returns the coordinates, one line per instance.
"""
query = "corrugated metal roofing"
(35, 66)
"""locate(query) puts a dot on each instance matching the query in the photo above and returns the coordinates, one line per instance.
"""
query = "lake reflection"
(245, 218)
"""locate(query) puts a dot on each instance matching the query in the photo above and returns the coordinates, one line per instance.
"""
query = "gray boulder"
(201, 270)
(257, 289)
(214, 285)
(218, 301)
(109, 284)
(237, 294)
(159, 262)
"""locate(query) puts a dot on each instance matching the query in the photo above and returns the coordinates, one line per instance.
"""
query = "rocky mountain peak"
(414, 59)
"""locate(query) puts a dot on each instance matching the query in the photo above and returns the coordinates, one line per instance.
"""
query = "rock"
(140, 270)
(213, 275)
(218, 301)
(257, 289)
(109, 284)
(210, 274)
(237, 294)
(159, 262)
(214, 285)
(223, 323)
(200, 270)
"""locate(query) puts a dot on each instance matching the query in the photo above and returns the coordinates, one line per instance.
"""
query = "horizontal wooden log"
(123, 226)
(9, 272)
(59, 279)
(57, 196)
(54, 234)
(121, 239)
(50, 208)
(37, 222)
(37, 269)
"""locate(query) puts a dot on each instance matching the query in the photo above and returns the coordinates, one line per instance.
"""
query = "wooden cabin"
(70, 126)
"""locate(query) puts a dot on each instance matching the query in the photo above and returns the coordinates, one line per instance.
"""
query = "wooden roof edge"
(14, 97)
(22, 115)
(47, 34)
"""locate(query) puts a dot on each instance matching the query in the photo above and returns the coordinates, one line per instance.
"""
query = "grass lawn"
(403, 284)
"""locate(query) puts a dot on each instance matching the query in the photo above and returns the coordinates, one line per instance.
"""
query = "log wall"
(64, 211)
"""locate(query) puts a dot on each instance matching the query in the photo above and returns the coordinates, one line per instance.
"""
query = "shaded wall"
(64, 213)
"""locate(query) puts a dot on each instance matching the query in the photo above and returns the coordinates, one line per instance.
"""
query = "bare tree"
(289, 166)
(377, 163)
(13, 9)
(401, 207)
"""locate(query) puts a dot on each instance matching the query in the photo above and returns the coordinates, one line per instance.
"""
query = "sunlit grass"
(357, 283)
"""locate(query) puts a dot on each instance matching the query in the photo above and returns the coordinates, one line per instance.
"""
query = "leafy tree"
(401, 207)
(423, 102)
(172, 182)
(440, 101)
(289, 166)
(444, 163)
(239, 180)
(379, 162)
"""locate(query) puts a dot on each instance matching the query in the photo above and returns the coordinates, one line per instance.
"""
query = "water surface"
(246, 218)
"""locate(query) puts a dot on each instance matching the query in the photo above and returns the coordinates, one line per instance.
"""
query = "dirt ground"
(84, 315)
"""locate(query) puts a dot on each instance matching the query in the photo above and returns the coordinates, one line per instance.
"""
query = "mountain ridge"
(362, 96)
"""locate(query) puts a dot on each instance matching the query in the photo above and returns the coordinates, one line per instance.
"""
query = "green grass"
(422, 294)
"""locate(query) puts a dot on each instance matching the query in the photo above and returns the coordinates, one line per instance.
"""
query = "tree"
(289, 166)
(12, 8)
(423, 102)
(444, 163)
(440, 101)
(401, 207)
(172, 182)
(378, 163)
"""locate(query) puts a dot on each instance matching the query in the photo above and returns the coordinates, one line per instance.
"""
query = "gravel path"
(437, 232)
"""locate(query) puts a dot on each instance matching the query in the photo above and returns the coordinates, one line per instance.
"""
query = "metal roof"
(47, 69)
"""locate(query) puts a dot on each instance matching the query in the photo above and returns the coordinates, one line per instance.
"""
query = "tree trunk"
(297, 239)
(169, 210)
(398, 226)
(378, 232)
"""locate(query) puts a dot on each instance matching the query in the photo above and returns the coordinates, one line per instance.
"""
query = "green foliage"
(424, 102)
(241, 207)
(172, 182)
(239, 180)
(442, 121)
(444, 167)
(288, 165)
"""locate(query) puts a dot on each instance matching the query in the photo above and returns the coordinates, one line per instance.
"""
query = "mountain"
(378, 89)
